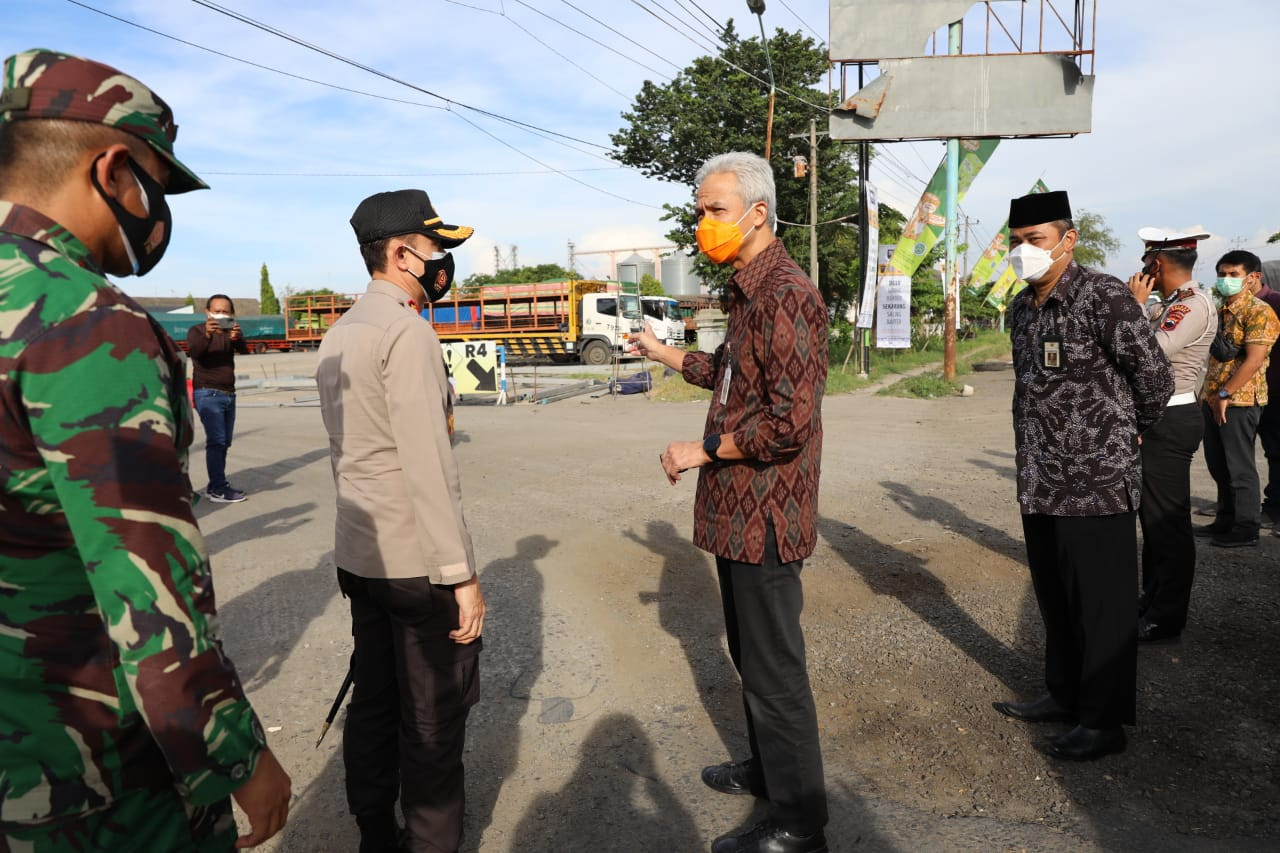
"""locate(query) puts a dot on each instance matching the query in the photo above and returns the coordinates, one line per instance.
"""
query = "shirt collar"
(756, 272)
(386, 288)
(28, 222)
(1062, 291)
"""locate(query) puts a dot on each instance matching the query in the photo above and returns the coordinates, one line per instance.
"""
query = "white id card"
(724, 386)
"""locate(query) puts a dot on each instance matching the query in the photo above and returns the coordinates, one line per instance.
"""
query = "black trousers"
(406, 724)
(1083, 570)
(1269, 436)
(1229, 453)
(762, 605)
(1168, 545)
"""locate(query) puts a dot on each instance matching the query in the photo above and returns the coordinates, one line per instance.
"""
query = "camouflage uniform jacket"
(112, 675)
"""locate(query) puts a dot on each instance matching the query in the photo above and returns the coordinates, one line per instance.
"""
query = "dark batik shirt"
(1076, 425)
(767, 379)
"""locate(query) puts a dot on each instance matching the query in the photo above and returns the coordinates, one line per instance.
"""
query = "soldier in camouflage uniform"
(123, 724)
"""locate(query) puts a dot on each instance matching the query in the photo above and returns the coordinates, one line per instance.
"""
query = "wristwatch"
(1224, 394)
(710, 445)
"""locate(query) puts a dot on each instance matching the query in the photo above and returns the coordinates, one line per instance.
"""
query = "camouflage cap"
(45, 84)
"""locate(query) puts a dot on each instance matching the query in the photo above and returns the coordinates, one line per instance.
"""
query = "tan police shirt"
(1185, 324)
(384, 396)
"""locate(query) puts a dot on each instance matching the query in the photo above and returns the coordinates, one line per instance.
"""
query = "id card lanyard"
(728, 373)
(1053, 355)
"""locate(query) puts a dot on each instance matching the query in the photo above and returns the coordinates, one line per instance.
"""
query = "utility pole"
(813, 202)
(570, 257)
(950, 283)
(967, 222)
(497, 261)
(515, 254)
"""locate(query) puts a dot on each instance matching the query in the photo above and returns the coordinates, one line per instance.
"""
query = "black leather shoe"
(1152, 632)
(768, 837)
(1236, 538)
(1043, 710)
(740, 777)
(1204, 531)
(1081, 744)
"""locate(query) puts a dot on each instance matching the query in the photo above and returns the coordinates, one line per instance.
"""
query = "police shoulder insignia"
(1175, 316)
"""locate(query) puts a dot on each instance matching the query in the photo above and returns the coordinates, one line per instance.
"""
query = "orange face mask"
(720, 241)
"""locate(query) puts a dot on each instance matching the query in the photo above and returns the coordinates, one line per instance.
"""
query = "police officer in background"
(1185, 321)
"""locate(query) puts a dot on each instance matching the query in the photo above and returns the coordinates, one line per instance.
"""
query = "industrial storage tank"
(634, 268)
(678, 278)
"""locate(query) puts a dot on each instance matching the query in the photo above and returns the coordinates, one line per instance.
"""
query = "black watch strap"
(711, 446)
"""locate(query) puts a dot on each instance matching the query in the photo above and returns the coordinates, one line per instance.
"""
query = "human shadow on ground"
(929, 508)
(509, 667)
(1003, 470)
(615, 800)
(891, 572)
(261, 626)
(689, 609)
(280, 522)
(262, 478)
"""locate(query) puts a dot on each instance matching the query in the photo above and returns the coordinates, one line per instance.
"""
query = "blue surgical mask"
(1228, 286)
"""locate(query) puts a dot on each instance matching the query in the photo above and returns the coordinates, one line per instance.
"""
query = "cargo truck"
(662, 313)
(577, 320)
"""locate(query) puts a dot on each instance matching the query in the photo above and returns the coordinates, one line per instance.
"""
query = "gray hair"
(755, 179)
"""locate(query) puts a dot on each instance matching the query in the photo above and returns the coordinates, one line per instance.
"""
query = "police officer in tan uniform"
(1185, 321)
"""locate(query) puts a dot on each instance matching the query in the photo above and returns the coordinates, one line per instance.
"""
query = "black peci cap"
(399, 212)
(1039, 208)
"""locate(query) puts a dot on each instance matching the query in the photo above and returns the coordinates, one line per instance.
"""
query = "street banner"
(893, 312)
(991, 258)
(929, 220)
(1001, 287)
(867, 310)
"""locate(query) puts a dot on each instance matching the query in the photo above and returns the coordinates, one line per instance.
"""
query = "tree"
(267, 294)
(711, 107)
(1274, 238)
(1096, 240)
(650, 286)
(520, 275)
(190, 301)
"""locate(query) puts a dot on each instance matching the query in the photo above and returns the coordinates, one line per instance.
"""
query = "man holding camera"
(212, 346)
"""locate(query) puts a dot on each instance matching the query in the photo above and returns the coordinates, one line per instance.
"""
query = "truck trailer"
(570, 320)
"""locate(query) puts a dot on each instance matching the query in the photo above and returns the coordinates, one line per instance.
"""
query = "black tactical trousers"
(1168, 545)
(406, 724)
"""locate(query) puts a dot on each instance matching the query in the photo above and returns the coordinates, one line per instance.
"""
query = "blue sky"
(1183, 128)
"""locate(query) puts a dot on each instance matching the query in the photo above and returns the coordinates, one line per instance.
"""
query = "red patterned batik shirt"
(767, 380)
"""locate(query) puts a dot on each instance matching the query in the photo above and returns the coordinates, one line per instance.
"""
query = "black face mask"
(145, 238)
(431, 272)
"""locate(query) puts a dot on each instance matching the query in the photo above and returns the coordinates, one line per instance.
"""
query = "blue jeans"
(217, 410)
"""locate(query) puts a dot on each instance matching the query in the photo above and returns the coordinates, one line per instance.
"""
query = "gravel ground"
(607, 685)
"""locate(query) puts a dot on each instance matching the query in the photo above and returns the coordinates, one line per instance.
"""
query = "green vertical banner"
(991, 258)
(1001, 287)
(928, 222)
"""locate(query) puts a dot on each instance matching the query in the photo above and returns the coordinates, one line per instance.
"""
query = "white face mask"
(1030, 263)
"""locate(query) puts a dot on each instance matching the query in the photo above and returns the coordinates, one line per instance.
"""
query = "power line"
(717, 33)
(252, 63)
(801, 20)
(719, 25)
(716, 55)
(245, 19)
(404, 174)
(526, 31)
(576, 31)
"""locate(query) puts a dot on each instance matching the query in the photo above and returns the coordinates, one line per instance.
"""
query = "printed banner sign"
(893, 312)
